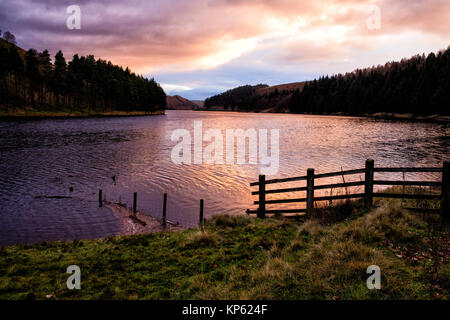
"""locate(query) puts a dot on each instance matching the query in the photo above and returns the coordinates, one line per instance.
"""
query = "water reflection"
(48, 157)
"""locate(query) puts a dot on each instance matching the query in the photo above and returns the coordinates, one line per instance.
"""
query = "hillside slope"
(282, 87)
(7, 45)
(179, 103)
(261, 98)
(241, 98)
(33, 83)
(199, 103)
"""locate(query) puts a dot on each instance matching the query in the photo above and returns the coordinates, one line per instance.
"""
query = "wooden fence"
(367, 195)
(164, 220)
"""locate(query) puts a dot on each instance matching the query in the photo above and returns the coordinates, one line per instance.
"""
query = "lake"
(44, 159)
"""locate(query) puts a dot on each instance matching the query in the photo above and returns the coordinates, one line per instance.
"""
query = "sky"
(199, 48)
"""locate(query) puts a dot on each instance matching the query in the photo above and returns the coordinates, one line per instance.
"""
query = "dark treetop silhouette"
(84, 83)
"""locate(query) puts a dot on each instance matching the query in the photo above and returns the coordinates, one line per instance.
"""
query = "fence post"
(164, 209)
(201, 212)
(310, 190)
(262, 196)
(445, 198)
(100, 200)
(134, 202)
(368, 186)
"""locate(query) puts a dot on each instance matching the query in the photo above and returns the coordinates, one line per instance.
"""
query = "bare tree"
(8, 36)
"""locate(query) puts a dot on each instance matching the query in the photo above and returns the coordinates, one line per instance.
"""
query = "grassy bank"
(246, 258)
(33, 113)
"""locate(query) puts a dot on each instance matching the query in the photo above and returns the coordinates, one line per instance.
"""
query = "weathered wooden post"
(100, 200)
(164, 209)
(310, 190)
(134, 202)
(445, 197)
(368, 186)
(262, 196)
(201, 212)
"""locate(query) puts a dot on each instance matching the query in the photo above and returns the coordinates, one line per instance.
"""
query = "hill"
(199, 103)
(31, 85)
(7, 45)
(418, 86)
(282, 87)
(261, 98)
(277, 98)
(179, 103)
(240, 98)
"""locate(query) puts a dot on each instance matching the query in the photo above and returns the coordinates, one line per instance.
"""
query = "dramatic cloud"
(203, 46)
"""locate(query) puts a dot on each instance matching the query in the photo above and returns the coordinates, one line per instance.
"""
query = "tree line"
(418, 85)
(82, 84)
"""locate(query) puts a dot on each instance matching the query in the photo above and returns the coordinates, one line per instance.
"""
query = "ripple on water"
(48, 157)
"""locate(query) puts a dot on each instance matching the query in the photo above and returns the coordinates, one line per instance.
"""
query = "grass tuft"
(229, 220)
(204, 238)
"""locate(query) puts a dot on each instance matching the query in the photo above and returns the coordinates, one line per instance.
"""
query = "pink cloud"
(153, 34)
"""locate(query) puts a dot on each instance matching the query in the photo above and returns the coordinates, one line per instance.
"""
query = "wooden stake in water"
(445, 196)
(164, 209)
(201, 212)
(100, 201)
(135, 203)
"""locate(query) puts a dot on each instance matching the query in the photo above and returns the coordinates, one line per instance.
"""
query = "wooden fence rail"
(367, 195)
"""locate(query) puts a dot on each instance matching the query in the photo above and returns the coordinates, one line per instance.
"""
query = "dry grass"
(236, 257)
(329, 261)
(204, 238)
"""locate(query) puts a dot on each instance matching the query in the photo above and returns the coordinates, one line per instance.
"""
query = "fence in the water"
(369, 182)
(164, 220)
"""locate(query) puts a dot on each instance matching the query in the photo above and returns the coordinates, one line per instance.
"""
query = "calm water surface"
(45, 158)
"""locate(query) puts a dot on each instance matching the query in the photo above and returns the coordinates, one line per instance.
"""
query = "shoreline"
(70, 115)
(378, 115)
(139, 223)
(409, 117)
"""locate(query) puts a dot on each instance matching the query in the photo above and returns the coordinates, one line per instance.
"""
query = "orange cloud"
(148, 35)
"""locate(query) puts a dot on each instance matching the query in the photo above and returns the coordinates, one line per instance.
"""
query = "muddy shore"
(139, 223)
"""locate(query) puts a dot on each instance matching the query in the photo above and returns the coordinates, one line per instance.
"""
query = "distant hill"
(241, 98)
(179, 103)
(419, 85)
(262, 98)
(277, 98)
(199, 103)
(282, 87)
